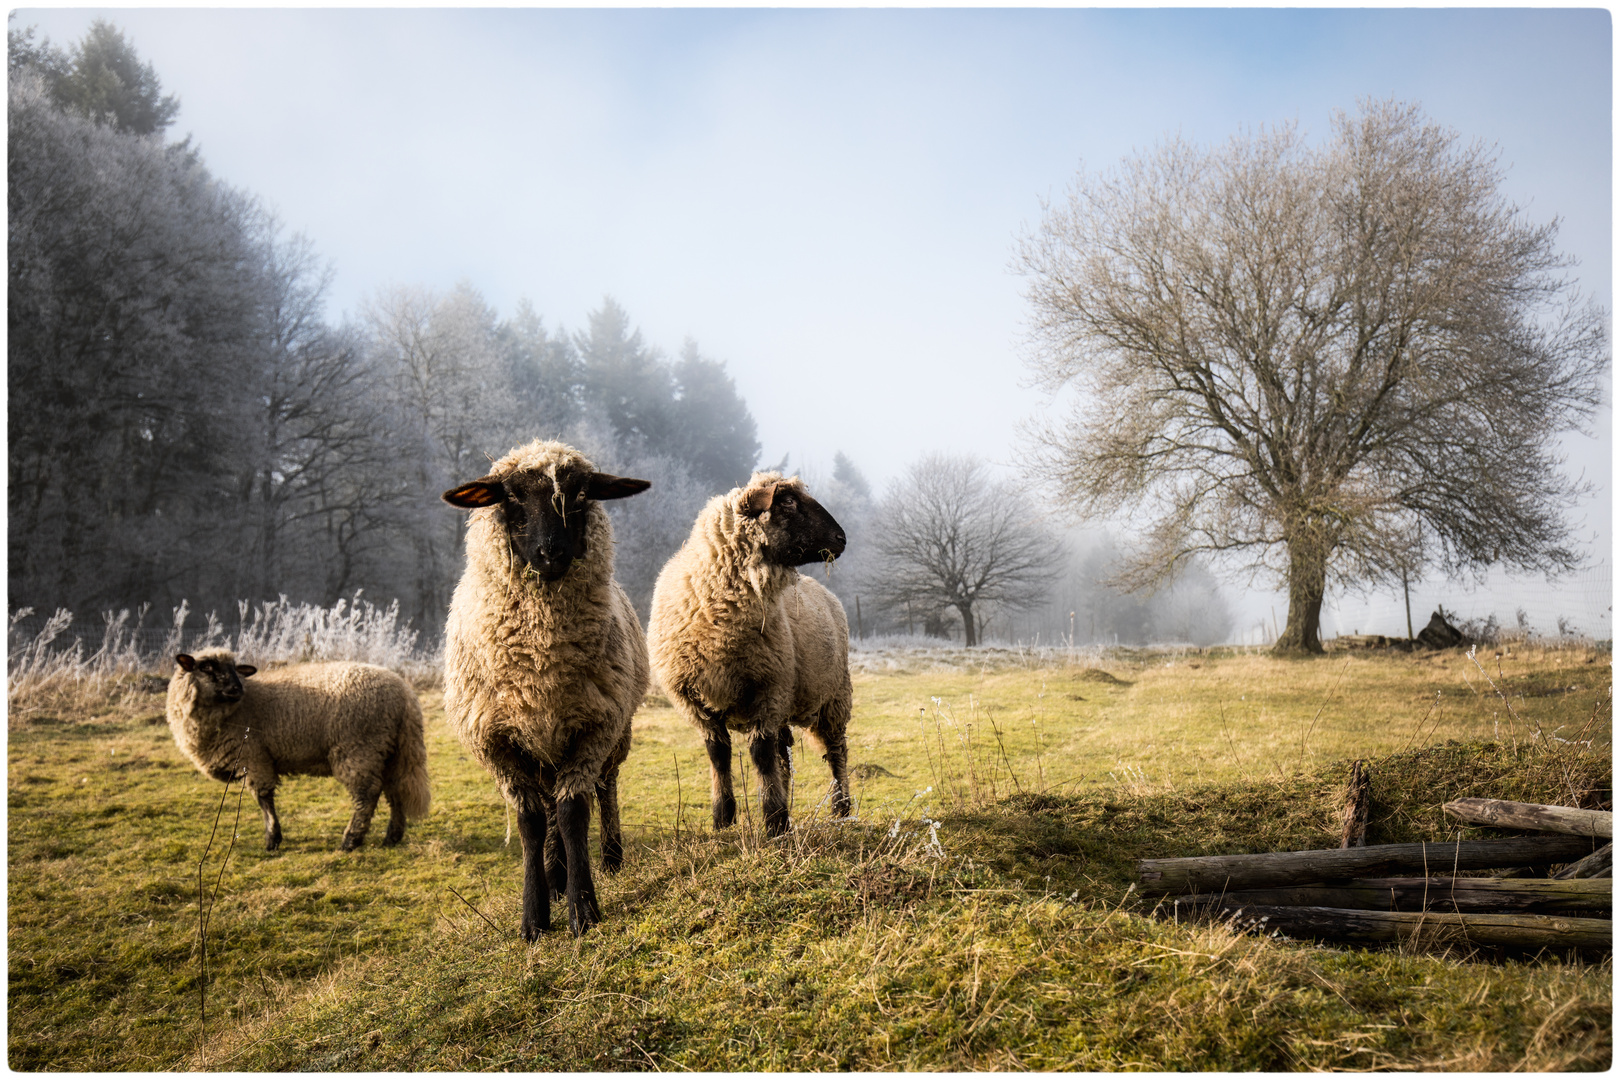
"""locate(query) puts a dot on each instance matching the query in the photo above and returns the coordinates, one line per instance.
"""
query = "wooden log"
(1517, 815)
(1516, 931)
(1222, 873)
(1599, 864)
(1357, 806)
(1494, 895)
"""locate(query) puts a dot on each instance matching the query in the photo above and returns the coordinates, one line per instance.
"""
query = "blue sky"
(827, 200)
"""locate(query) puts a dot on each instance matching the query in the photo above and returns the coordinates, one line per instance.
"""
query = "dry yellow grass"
(949, 927)
(1146, 722)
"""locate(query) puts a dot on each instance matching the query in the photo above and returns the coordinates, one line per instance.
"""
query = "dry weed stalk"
(205, 910)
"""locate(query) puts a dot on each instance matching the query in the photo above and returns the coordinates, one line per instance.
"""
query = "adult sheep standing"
(545, 662)
(741, 641)
(357, 722)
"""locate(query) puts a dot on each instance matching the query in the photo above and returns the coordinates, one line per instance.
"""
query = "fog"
(826, 201)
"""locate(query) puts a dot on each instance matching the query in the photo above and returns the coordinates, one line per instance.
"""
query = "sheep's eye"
(788, 502)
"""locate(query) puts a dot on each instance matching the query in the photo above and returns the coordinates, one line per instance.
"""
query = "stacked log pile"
(1405, 892)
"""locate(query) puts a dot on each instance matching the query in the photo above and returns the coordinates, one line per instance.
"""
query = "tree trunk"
(1357, 806)
(969, 636)
(1487, 895)
(1514, 931)
(1218, 873)
(1517, 815)
(1599, 864)
(1307, 584)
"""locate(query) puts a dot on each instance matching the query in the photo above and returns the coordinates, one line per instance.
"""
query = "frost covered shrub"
(52, 669)
(43, 674)
(353, 629)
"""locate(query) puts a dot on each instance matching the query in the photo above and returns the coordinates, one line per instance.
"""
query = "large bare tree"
(948, 534)
(1333, 361)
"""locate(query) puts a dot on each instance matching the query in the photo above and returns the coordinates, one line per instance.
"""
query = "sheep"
(357, 722)
(741, 641)
(545, 662)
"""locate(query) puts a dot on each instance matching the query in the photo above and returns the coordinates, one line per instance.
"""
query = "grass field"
(976, 915)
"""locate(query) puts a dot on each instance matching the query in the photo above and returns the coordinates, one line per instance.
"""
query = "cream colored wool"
(553, 669)
(740, 641)
(357, 722)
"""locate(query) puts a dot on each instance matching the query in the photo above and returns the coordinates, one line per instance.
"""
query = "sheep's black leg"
(574, 822)
(272, 823)
(396, 820)
(829, 728)
(556, 858)
(784, 750)
(607, 800)
(531, 822)
(718, 744)
(838, 762)
(365, 805)
(764, 748)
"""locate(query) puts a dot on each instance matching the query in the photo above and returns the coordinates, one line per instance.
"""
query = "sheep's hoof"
(583, 916)
(531, 931)
(351, 842)
(725, 814)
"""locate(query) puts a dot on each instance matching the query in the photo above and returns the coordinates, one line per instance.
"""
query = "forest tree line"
(187, 423)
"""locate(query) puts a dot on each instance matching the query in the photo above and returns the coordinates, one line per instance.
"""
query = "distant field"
(975, 916)
(1144, 721)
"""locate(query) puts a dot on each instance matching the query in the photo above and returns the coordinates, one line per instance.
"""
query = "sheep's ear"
(601, 486)
(485, 491)
(759, 500)
(186, 662)
(245, 670)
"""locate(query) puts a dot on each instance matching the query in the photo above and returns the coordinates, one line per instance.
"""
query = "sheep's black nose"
(548, 568)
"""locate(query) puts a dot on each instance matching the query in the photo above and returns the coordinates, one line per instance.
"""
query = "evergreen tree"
(545, 373)
(625, 377)
(135, 323)
(713, 432)
(103, 79)
(845, 472)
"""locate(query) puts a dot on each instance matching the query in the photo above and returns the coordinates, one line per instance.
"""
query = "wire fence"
(1576, 606)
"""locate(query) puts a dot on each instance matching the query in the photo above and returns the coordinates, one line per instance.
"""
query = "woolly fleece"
(740, 641)
(357, 722)
(554, 669)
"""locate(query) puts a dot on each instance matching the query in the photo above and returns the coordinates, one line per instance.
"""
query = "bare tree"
(948, 534)
(441, 356)
(1301, 354)
(324, 462)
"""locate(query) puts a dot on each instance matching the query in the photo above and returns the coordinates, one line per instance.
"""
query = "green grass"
(976, 916)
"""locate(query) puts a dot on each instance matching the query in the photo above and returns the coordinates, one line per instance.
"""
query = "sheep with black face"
(741, 641)
(545, 662)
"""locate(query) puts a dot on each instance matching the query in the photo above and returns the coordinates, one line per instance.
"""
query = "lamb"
(357, 722)
(741, 641)
(545, 662)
